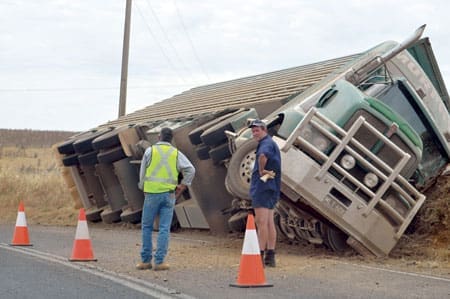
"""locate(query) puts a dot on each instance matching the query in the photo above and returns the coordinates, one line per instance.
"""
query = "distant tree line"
(32, 138)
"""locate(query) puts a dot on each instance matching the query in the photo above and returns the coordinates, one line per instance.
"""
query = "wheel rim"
(246, 168)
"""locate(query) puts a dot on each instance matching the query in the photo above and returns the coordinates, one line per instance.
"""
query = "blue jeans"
(161, 204)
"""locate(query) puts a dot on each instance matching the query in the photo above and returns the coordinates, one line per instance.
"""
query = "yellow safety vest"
(162, 174)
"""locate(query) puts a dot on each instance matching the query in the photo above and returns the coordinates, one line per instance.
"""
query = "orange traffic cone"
(21, 237)
(251, 271)
(82, 247)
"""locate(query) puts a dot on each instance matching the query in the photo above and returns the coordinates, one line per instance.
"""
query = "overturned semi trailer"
(337, 121)
(189, 114)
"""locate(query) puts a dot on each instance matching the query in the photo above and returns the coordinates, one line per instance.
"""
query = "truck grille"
(369, 140)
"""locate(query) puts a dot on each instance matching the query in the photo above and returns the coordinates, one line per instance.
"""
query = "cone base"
(18, 244)
(82, 251)
(82, 260)
(236, 285)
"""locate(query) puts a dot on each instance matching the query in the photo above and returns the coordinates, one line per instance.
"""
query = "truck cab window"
(400, 99)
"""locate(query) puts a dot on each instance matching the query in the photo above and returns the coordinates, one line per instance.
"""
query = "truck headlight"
(320, 143)
(348, 162)
(371, 180)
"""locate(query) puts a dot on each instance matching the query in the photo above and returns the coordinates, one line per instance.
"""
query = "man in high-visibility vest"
(159, 171)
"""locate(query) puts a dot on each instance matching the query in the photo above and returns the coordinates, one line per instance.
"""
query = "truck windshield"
(400, 99)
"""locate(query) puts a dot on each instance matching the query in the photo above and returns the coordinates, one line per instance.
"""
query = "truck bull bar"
(389, 176)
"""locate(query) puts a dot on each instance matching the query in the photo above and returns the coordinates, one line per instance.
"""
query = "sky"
(60, 60)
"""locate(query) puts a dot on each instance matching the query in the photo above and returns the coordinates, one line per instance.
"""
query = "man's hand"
(267, 175)
(179, 190)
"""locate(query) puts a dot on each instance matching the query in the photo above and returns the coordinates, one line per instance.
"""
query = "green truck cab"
(358, 149)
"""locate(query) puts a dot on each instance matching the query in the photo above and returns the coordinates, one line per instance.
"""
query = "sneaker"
(143, 266)
(161, 267)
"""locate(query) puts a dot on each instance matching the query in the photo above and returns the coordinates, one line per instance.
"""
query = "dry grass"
(431, 237)
(31, 175)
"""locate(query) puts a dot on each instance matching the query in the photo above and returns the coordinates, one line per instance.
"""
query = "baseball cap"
(257, 123)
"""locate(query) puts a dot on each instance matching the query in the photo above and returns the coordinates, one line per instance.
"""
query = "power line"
(189, 39)
(159, 46)
(85, 88)
(167, 37)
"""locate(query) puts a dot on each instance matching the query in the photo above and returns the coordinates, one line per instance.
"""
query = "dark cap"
(166, 134)
(257, 123)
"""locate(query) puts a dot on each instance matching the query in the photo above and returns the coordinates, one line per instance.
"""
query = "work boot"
(161, 267)
(143, 266)
(269, 259)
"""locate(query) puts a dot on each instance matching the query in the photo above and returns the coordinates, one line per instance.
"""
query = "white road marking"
(136, 284)
(397, 272)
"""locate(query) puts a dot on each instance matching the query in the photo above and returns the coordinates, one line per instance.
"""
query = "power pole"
(125, 51)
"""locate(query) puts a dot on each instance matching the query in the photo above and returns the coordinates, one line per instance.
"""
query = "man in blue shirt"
(265, 193)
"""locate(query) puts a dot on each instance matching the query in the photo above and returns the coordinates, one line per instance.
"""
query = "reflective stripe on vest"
(162, 174)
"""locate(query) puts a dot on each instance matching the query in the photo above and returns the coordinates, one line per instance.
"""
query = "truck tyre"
(220, 153)
(109, 139)
(284, 232)
(238, 221)
(84, 145)
(216, 134)
(66, 148)
(70, 160)
(334, 239)
(202, 152)
(194, 135)
(88, 158)
(240, 169)
(111, 155)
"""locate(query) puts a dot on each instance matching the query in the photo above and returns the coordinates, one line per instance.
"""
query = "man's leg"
(149, 212)
(165, 220)
(269, 259)
(261, 219)
(272, 232)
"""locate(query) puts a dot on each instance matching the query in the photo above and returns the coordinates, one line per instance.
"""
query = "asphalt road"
(26, 276)
(117, 251)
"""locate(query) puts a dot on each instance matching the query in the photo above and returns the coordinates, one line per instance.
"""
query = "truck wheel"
(238, 221)
(240, 169)
(202, 152)
(88, 158)
(220, 153)
(194, 135)
(111, 155)
(71, 160)
(334, 239)
(66, 148)
(109, 139)
(284, 231)
(215, 135)
(84, 145)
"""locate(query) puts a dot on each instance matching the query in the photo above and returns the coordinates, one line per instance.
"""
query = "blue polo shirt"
(258, 189)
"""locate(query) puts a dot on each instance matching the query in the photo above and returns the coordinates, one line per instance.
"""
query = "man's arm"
(144, 164)
(187, 169)
(262, 162)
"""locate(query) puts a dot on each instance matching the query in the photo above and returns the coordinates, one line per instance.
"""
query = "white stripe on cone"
(21, 220)
(82, 230)
(251, 245)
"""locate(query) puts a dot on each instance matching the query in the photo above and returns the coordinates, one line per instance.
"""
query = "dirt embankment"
(430, 237)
